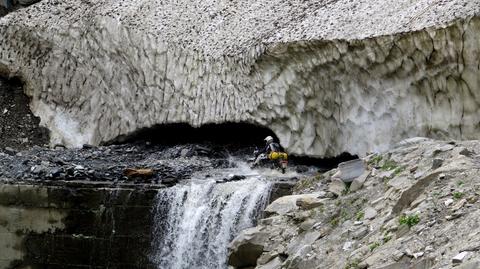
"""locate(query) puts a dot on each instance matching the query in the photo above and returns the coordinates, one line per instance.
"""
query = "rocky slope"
(415, 206)
(19, 128)
(323, 75)
(168, 164)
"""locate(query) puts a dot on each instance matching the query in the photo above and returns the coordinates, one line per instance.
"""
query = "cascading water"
(195, 222)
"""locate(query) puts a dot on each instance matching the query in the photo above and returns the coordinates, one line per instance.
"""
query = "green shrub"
(375, 160)
(410, 220)
(373, 246)
(387, 238)
(389, 165)
(360, 215)
(334, 222)
(352, 264)
(398, 170)
(457, 195)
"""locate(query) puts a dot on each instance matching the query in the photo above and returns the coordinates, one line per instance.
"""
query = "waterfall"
(195, 222)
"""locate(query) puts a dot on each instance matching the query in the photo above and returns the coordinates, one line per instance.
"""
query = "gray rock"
(370, 213)
(307, 224)
(297, 259)
(425, 263)
(348, 171)
(358, 182)
(38, 169)
(276, 263)
(470, 265)
(436, 163)
(287, 204)
(304, 239)
(337, 186)
(466, 152)
(185, 152)
(10, 151)
(247, 247)
(397, 255)
(360, 233)
(402, 230)
(309, 202)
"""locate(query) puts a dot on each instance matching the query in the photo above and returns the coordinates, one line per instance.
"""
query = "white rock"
(348, 245)
(460, 257)
(287, 204)
(418, 254)
(448, 202)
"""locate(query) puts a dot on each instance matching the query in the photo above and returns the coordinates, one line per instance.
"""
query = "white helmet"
(268, 139)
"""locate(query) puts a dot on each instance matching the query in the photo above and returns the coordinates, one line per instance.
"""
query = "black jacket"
(271, 147)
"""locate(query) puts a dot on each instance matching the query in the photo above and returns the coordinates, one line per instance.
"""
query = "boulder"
(436, 163)
(337, 186)
(287, 204)
(247, 247)
(309, 202)
(460, 257)
(358, 182)
(273, 264)
(370, 213)
(348, 171)
(360, 233)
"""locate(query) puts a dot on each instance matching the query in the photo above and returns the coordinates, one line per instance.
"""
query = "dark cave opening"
(241, 138)
(236, 135)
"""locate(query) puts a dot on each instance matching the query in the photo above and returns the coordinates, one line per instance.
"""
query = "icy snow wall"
(325, 76)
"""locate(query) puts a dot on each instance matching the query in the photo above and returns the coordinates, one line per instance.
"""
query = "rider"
(273, 151)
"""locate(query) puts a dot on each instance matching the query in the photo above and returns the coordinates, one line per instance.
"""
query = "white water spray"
(194, 223)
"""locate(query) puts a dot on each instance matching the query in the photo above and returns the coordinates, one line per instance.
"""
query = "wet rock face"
(322, 83)
(19, 128)
(75, 226)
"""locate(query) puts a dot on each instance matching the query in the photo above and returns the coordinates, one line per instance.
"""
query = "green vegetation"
(352, 264)
(398, 170)
(375, 160)
(334, 222)
(389, 165)
(344, 214)
(373, 246)
(410, 220)
(360, 215)
(460, 183)
(458, 195)
(386, 238)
